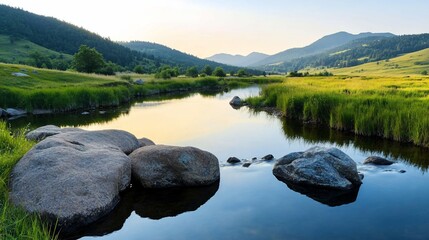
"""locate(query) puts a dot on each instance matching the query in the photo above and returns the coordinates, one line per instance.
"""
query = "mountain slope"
(24, 52)
(414, 63)
(238, 60)
(176, 58)
(324, 44)
(66, 38)
(357, 52)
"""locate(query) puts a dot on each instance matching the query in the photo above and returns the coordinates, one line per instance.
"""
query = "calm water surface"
(250, 203)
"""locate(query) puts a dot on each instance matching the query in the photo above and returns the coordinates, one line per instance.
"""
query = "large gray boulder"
(160, 166)
(319, 167)
(236, 101)
(145, 142)
(75, 177)
(49, 130)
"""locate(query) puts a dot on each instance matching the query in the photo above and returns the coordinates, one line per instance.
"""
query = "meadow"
(62, 91)
(389, 107)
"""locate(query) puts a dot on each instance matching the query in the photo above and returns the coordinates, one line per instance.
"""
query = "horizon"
(203, 28)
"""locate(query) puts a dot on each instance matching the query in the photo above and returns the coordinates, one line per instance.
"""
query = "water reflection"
(330, 197)
(148, 203)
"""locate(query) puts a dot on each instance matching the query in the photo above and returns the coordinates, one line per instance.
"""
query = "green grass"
(412, 64)
(14, 222)
(390, 107)
(66, 91)
(20, 50)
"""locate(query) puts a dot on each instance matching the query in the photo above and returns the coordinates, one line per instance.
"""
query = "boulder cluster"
(74, 177)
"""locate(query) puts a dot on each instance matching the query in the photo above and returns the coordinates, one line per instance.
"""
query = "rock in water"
(233, 160)
(268, 157)
(3, 113)
(46, 131)
(160, 166)
(15, 112)
(74, 177)
(236, 102)
(377, 161)
(320, 167)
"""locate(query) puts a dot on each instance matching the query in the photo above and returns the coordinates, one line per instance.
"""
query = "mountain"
(66, 38)
(238, 60)
(176, 58)
(370, 49)
(324, 44)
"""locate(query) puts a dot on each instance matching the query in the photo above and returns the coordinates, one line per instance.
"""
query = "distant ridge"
(238, 60)
(324, 44)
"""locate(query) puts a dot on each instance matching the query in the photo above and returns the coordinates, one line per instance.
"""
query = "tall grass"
(14, 222)
(365, 107)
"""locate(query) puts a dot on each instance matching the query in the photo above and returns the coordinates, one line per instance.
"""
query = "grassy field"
(390, 107)
(412, 64)
(14, 222)
(20, 50)
(66, 91)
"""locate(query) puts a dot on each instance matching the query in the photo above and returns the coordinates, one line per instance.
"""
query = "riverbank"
(14, 222)
(389, 107)
(40, 90)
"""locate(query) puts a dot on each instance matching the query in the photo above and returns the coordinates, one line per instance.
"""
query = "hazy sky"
(203, 27)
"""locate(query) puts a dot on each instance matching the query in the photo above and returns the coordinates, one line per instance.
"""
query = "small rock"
(402, 171)
(18, 74)
(102, 112)
(377, 161)
(361, 176)
(255, 158)
(3, 113)
(145, 142)
(246, 165)
(236, 102)
(35, 72)
(139, 82)
(15, 112)
(233, 160)
(85, 113)
(268, 157)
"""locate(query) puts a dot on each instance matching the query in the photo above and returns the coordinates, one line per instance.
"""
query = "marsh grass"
(14, 222)
(369, 107)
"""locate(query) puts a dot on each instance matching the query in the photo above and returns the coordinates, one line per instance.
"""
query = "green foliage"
(207, 70)
(166, 72)
(88, 60)
(139, 69)
(424, 72)
(14, 222)
(192, 72)
(218, 72)
(241, 73)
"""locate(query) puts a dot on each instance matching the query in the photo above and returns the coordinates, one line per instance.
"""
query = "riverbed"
(250, 203)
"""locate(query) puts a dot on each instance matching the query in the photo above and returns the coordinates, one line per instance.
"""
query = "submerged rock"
(318, 167)
(161, 166)
(233, 160)
(49, 130)
(145, 142)
(268, 157)
(41, 111)
(246, 165)
(15, 112)
(374, 160)
(74, 177)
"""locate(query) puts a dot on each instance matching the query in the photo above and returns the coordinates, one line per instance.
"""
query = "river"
(250, 203)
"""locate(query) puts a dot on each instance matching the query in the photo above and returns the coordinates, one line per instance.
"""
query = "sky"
(206, 27)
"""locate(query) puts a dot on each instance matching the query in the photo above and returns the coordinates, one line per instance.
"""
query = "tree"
(192, 72)
(241, 73)
(218, 72)
(88, 60)
(139, 69)
(232, 73)
(208, 70)
(425, 72)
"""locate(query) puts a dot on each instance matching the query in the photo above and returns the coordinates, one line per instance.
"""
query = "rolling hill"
(238, 60)
(415, 63)
(176, 58)
(322, 45)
